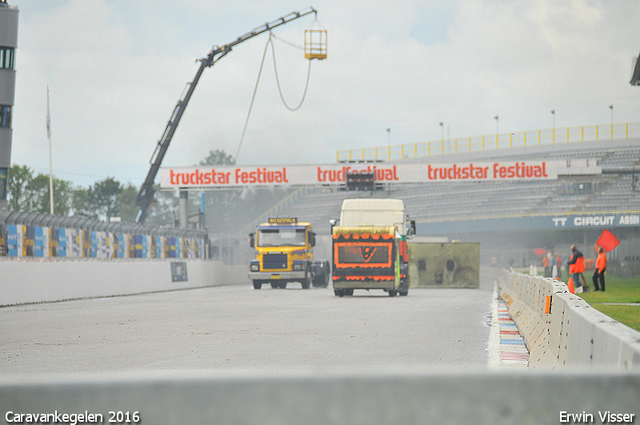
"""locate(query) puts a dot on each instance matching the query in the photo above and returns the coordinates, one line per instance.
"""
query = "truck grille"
(274, 261)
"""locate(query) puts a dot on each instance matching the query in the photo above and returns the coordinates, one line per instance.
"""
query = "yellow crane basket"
(315, 44)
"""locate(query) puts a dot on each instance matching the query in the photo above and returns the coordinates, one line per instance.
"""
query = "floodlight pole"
(553, 134)
(611, 107)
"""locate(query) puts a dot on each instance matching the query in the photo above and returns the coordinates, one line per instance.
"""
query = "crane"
(145, 196)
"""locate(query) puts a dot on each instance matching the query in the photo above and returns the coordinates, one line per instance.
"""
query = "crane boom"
(145, 195)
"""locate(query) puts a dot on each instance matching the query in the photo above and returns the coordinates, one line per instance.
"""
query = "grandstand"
(478, 211)
(434, 202)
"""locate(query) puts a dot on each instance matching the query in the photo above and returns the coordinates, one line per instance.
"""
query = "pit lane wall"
(46, 258)
(561, 329)
(27, 281)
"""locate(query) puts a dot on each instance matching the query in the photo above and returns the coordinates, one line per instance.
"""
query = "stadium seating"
(471, 200)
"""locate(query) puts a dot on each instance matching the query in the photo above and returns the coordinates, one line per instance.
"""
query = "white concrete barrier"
(561, 329)
(33, 281)
(408, 397)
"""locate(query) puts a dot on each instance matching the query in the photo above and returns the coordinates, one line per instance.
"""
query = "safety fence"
(561, 329)
(495, 141)
(38, 235)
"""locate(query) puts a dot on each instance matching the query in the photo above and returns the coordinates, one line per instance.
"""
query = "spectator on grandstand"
(576, 268)
(601, 267)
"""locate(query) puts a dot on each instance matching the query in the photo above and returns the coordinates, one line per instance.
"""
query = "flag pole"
(50, 156)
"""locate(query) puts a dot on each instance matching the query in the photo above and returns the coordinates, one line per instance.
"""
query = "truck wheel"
(257, 284)
(318, 277)
(306, 282)
(404, 287)
(338, 292)
(321, 274)
(392, 293)
(348, 292)
(275, 285)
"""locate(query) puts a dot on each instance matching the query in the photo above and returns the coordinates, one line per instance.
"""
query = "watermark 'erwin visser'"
(606, 417)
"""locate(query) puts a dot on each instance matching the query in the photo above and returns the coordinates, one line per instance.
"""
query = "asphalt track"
(237, 327)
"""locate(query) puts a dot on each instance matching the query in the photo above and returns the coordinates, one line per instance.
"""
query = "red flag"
(607, 241)
(540, 251)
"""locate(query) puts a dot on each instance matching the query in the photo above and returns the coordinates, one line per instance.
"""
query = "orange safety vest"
(601, 262)
(579, 266)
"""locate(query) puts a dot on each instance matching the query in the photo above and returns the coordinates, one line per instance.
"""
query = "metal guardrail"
(495, 141)
(84, 223)
(39, 235)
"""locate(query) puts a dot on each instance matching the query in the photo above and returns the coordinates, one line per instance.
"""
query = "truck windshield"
(281, 237)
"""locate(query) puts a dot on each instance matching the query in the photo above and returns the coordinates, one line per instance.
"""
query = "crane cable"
(255, 90)
(275, 69)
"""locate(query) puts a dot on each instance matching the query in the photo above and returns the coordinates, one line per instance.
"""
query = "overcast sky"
(116, 69)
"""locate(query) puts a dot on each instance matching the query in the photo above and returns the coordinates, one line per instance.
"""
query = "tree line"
(104, 199)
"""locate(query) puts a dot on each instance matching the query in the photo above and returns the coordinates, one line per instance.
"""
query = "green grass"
(618, 290)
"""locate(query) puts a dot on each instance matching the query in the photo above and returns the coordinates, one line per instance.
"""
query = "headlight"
(298, 266)
(255, 267)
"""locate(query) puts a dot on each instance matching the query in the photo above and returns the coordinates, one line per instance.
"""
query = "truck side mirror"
(252, 240)
(412, 228)
(312, 239)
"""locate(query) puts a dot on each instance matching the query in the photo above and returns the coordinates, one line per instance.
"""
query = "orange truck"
(369, 248)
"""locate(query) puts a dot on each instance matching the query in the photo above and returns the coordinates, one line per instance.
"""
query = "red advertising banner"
(233, 176)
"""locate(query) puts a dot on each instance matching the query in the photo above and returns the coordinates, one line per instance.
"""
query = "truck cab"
(284, 254)
(370, 247)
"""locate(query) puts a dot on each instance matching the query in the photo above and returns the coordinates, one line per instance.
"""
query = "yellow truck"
(370, 247)
(284, 254)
